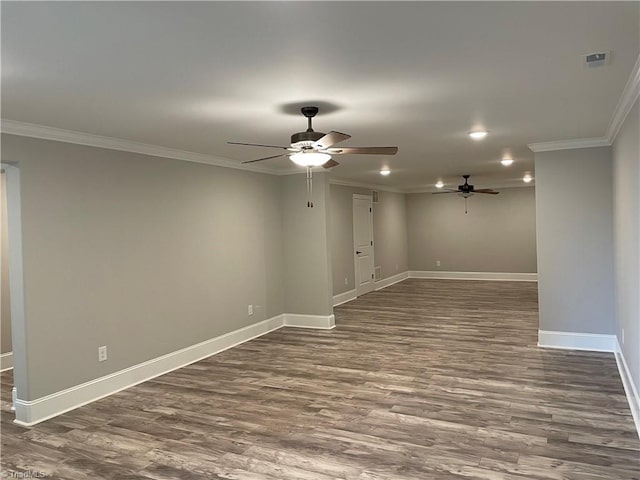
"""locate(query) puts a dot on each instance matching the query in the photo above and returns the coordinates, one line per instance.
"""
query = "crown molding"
(629, 95)
(24, 129)
(372, 186)
(569, 144)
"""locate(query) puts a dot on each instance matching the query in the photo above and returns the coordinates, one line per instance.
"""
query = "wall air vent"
(598, 59)
(374, 196)
(378, 273)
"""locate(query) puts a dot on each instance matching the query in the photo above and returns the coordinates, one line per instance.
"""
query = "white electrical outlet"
(346, 281)
(623, 336)
(102, 353)
(250, 310)
(437, 263)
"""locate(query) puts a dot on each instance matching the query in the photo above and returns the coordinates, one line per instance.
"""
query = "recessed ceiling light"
(439, 184)
(385, 172)
(506, 161)
(478, 134)
(527, 178)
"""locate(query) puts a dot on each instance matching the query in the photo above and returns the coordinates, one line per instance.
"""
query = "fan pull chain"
(465, 205)
(309, 188)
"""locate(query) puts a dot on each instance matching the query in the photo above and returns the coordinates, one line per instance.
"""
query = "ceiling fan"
(315, 149)
(466, 190)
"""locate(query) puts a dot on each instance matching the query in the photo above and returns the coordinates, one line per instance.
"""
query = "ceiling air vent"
(598, 59)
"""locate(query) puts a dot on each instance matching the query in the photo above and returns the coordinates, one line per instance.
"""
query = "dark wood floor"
(423, 380)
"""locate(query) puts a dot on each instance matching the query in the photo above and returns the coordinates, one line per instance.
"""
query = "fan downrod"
(309, 112)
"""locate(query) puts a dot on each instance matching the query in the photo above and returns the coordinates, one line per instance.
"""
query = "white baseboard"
(594, 342)
(309, 321)
(497, 276)
(30, 412)
(344, 297)
(387, 282)
(379, 285)
(6, 361)
(629, 387)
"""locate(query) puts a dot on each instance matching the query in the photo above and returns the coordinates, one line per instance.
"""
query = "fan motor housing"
(305, 138)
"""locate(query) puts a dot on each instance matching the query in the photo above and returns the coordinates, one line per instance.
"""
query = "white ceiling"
(191, 76)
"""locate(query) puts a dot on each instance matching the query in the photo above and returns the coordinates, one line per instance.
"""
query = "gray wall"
(574, 211)
(307, 256)
(5, 305)
(389, 234)
(626, 204)
(391, 252)
(497, 235)
(143, 254)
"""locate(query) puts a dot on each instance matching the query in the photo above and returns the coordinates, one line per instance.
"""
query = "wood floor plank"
(426, 379)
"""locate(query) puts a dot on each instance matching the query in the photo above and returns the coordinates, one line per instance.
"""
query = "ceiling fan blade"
(329, 139)
(265, 158)
(258, 145)
(486, 190)
(331, 163)
(363, 150)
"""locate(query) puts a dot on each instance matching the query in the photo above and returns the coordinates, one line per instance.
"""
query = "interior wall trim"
(392, 280)
(344, 297)
(497, 276)
(6, 361)
(379, 285)
(570, 144)
(325, 322)
(31, 412)
(594, 342)
(629, 387)
(44, 132)
(630, 94)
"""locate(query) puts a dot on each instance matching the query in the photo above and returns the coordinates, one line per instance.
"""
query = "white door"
(363, 243)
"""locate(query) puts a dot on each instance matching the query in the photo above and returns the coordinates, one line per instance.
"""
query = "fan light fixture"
(506, 161)
(439, 184)
(527, 178)
(384, 172)
(310, 159)
(478, 134)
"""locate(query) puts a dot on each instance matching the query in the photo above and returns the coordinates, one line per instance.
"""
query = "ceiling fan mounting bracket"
(309, 112)
(466, 188)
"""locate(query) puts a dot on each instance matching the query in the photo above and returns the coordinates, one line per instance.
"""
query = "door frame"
(369, 198)
(16, 294)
